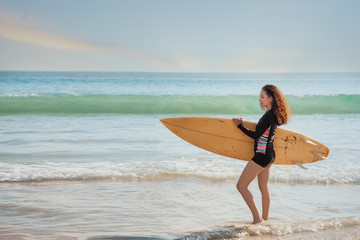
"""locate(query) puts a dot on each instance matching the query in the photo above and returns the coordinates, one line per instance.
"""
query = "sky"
(180, 35)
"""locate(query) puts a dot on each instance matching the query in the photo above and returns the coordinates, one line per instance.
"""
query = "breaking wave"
(207, 170)
(168, 104)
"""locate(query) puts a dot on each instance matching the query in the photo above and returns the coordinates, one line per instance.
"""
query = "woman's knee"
(264, 188)
(241, 187)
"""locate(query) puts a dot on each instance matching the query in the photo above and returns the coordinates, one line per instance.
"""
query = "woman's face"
(265, 100)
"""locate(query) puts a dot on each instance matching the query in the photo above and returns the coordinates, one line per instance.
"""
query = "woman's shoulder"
(270, 115)
(267, 116)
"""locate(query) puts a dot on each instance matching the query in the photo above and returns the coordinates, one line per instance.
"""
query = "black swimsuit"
(264, 137)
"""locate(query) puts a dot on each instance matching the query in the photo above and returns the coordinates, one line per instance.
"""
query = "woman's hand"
(237, 121)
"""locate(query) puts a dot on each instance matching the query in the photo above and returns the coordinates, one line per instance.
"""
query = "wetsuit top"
(264, 133)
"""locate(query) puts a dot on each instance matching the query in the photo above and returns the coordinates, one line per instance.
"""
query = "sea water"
(84, 156)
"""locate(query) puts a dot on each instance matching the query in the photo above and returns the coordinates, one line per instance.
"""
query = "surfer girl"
(277, 113)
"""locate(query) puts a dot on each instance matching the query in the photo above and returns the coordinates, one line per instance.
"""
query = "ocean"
(83, 155)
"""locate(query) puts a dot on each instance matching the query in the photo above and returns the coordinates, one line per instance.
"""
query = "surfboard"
(221, 136)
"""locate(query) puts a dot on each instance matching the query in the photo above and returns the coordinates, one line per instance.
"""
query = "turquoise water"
(203, 84)
(169, 104)
(86, 154)
(172, 93)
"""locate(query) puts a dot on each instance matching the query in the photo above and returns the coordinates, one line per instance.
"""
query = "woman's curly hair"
(279, 104)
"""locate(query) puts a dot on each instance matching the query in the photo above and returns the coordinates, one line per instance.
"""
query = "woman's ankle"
(257, 220)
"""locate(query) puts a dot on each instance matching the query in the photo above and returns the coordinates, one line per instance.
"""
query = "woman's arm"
(264, 123)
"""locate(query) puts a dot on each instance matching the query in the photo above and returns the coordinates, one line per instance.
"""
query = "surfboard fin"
(299, 164)
(308, 141)
(319, 155)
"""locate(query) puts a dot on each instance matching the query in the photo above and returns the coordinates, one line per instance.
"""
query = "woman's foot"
(256, 221)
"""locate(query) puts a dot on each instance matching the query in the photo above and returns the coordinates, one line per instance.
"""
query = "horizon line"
(100, 71)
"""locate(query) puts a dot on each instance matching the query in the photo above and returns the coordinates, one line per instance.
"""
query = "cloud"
(14, 28)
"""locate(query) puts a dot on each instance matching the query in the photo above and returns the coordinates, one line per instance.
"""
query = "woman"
(277, 113)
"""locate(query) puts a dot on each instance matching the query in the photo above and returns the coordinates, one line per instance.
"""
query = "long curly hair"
(279, 104)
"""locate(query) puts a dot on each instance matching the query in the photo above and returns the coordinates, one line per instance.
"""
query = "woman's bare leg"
(250, 172)
(263, 181)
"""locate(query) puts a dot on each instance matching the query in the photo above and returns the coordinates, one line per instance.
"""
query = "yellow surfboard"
(221, 136)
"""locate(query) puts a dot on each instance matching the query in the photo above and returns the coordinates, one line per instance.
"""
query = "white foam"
(206, 168)
(271, 228)
(20, 95)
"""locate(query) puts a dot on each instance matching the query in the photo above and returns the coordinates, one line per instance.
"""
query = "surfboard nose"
(171, 121)
(164, 120)
(167, 122)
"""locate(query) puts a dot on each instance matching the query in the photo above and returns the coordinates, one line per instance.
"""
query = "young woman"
(277, 113)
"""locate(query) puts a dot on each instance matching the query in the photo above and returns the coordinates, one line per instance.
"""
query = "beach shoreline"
(74, 172)
(196, 208)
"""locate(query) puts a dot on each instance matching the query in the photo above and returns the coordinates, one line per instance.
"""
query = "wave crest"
(166, 104)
